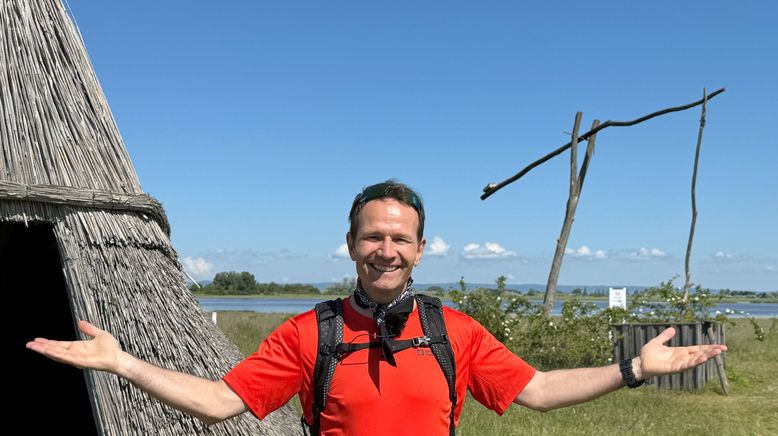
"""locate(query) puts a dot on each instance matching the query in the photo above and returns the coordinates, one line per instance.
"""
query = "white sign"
(617, 297)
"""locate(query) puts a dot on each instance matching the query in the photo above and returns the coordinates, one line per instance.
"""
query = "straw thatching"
(65, 175)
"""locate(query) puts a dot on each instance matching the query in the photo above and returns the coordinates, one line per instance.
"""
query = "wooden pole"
(694, 198)
(572, 203)
(719, 362)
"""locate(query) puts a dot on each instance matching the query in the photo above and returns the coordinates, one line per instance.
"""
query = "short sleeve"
(269, 377)
(497, 375)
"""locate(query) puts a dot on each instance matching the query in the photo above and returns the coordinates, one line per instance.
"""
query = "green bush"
(578, 338)
(665, 303)
(581, 336)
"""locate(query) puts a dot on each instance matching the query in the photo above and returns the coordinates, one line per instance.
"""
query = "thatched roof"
(63, 164)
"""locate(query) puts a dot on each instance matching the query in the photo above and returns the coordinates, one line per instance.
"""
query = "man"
(372, 388)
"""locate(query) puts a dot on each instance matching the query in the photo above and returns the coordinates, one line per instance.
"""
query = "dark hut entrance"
(45, 397)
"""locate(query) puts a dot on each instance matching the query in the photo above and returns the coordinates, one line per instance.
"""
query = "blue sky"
(256, 123)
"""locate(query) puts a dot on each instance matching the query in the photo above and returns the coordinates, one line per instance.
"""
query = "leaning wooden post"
(719, 361)
(694, 198)
(576, 184)
(572, 202)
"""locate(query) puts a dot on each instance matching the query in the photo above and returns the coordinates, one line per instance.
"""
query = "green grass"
(750, 409)
(248, 329)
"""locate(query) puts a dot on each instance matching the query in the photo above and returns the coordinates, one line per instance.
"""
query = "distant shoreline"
(560, 296)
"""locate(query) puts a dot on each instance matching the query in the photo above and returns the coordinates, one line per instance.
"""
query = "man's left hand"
(656, 358)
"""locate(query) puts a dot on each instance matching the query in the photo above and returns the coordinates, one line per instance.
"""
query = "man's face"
(385, 248)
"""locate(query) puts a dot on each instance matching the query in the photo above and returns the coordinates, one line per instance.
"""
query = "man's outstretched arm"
(208, 400)
(565, 387)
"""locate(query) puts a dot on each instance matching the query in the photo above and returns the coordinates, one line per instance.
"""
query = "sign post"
(617, 297)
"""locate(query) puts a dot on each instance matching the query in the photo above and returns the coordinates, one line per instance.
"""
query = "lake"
(300, 305)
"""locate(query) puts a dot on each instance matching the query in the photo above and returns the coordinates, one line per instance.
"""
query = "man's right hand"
(210, 401)
(102, 352)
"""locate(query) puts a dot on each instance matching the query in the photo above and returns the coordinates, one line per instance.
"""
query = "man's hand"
(656, 358)
(210, 401)
(565, 387)
(102, 352)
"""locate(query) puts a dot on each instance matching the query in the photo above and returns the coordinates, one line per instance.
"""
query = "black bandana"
(390, 318)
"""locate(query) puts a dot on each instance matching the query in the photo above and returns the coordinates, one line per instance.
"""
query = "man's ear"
(420, 252)
(350, 245)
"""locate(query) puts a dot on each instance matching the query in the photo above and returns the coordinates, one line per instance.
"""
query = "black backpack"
(329, 316)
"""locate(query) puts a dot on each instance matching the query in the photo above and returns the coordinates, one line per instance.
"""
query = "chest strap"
(345, 348)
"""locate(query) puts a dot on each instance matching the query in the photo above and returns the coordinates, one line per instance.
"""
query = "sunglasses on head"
(379, 191)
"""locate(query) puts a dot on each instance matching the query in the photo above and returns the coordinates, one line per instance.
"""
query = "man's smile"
(385, 268)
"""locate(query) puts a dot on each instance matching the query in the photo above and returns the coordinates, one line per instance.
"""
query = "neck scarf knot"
(390, 318)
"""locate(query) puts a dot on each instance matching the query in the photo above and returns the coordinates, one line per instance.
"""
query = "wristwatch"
(625, 366)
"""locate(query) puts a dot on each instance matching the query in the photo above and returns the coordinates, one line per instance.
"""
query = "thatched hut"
(80, 240)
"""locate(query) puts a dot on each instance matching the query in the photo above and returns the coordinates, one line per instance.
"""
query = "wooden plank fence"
(630, 338)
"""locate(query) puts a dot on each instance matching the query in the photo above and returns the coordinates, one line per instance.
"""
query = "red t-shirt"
(369, 396)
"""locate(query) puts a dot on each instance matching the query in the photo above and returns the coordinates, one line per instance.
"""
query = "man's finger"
(49, 343)
(88, 328)
(665, 336)
(35, 346)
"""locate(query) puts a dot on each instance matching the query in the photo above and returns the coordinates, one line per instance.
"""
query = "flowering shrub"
(578, 338)
(665, 304)
(581, 335)
(499, 311)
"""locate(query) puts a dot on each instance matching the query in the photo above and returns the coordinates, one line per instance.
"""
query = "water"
(300, 305)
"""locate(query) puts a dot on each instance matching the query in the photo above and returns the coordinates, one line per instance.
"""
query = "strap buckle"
(421, 341)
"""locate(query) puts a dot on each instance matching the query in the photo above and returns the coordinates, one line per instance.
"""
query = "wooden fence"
(630, 338)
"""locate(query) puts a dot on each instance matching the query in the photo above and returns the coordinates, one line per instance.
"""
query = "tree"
(435, 291)
(233, 282)
(501, 283)
(345, 287)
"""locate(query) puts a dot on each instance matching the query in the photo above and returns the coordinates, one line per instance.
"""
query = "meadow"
(750, 409)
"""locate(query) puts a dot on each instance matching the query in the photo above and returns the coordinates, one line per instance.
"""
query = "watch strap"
(625, 366)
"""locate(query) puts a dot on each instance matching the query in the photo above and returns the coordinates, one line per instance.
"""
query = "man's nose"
(387, 248)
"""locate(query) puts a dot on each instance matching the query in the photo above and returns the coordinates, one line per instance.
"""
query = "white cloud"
(235, 260)
(585, 252)
(490, 250)
(198, 267)
(645, 254)
(437, 247)
(721, 255)
(242, 259)
(651, 252)
(340, 253)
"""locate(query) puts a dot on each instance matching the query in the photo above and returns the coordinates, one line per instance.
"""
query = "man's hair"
(388, 189)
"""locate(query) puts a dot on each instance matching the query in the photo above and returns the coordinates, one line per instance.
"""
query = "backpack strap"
(434, 326)
(329, 317)
(344, 348)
